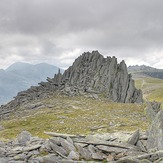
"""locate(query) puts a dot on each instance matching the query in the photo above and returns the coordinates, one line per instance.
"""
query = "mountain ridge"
(145, 71)
(20, 76)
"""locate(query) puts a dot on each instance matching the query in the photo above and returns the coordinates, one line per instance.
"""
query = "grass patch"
(152, 88)
(77, 115)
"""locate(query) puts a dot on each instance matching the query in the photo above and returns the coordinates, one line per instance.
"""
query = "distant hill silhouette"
(145, 71)
(20, 76)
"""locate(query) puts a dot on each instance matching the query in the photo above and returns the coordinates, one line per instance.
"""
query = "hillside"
(74, 115)
(94, 96)
(54, 102)
(20, 76)
(152, 88)
(145, 71)
(149, 80)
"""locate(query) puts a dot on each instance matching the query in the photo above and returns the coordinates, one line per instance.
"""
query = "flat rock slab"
(106, 143)
(111, 149)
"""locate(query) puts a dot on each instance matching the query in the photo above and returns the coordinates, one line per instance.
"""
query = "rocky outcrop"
(152, 109)
(77, 148)
(90, 74)
(65, 148)
(155, 140)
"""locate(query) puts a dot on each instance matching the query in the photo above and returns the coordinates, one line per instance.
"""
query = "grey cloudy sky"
(58, 31)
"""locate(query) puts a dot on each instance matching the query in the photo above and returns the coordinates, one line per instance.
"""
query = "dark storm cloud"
(59, 31)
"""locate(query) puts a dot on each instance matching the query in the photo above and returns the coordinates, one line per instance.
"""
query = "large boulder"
(152, 109)
(23, 137)
(134, 138)
(155, 138)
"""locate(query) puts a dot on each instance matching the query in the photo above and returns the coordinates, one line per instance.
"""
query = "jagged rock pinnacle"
(90, 73)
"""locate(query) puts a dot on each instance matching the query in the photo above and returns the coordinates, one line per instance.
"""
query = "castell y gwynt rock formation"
(91, 73)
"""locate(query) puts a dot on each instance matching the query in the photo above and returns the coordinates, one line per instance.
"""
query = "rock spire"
(91, 74)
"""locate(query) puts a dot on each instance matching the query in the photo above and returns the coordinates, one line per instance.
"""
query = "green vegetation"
(83, 115)
(152, 88)
(77, 115)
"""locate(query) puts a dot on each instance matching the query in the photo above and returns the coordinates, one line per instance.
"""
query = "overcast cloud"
(58, 31)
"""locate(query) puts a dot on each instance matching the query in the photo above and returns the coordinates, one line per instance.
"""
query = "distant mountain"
(20, 76)
(145, 71)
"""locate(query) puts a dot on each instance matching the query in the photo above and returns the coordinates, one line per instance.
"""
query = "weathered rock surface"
(75, 149)
(134, 138)
(91, 74)
(152, 109)
(155, 139)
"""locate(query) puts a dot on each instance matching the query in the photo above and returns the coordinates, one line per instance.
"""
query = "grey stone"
(145, 161)
(38, 159)
(73, 155)
(155, 138)
(152, 109)
(98, 156)
(84, 153)
(160, 153)
(55, 140)
(134, 138)
(17, 161)
(2, 144)
(51, 158)
(111, 149)
(70, 140)
(45, 147)
(1, 127)
(32, 147)
(128, 160)
(3, 160)
(95, 153)
(148, 156)
(95, 96)
(67, 145)
(20, 157)
(159, 160)
(141, 146)
(2, 152)
(59, 149)
(23, 137)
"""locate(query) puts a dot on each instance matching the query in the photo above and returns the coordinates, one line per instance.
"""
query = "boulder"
(128, 160)
(51, 158)
(59, 149)
(84, 153)
(73, 155)
(152, 109)
(155, 138)
(134, 138)
(4, 160)
(23, 137)
(67, 146)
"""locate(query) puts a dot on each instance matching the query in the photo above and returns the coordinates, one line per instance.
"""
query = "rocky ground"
(139, 147)
(82, 101)
(79, 148)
